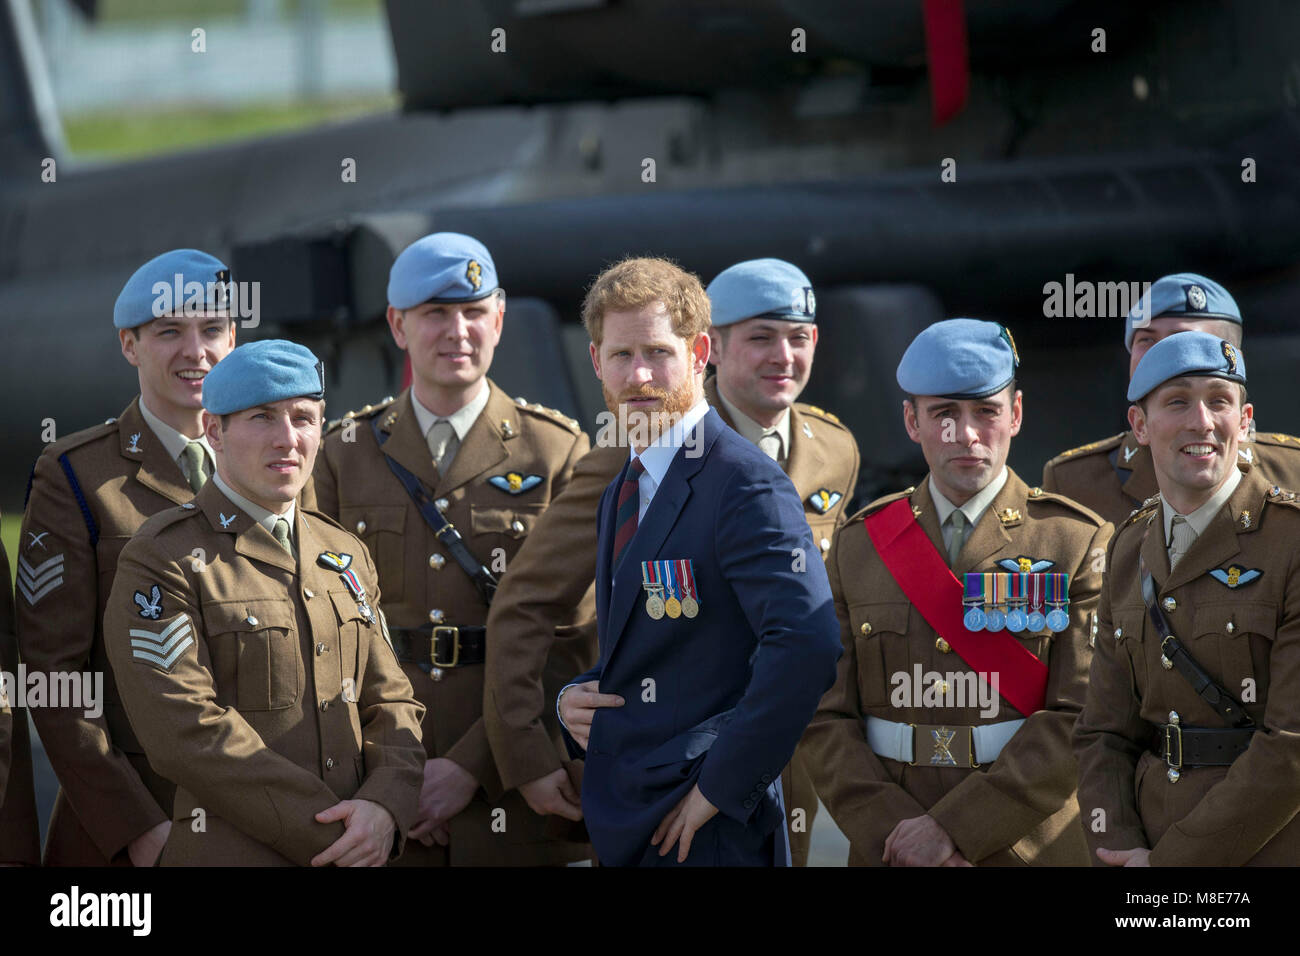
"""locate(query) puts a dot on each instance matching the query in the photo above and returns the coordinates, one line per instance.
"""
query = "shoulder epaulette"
(820, 413)
(83, 437)
(1106, 444)
(1282, 496)
(366, 411)
(1146, 509)
(1039, 495)
(155, 524)
(552, 415)
(887, 499)
(1276, 438)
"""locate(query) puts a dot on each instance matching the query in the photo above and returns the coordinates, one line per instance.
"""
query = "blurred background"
(919, 159)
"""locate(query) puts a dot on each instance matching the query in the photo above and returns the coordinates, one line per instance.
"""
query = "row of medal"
(670, 588)
(1016, 601)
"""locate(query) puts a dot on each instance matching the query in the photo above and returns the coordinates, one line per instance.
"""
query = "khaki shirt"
(1247, 637)
(259, 684)
(108, 794)
(1115, 475)
(1019, 809)
(495, 516)
(529, 661)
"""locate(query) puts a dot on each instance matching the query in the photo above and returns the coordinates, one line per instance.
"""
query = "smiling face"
(646, 370)
(763, 364)
(1193, 426)
(965, 441)
(450, 344)
(173, 355)
(266, 453)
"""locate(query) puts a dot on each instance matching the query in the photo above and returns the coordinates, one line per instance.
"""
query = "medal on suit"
(667, 574)
(690, 606)
(973, 598)
(1035, 622)
(995, 618)
(1058, 598)
(1016, 617)
(342, 563)
(654, 602)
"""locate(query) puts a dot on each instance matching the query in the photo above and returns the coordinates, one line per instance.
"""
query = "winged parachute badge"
(1235, 577)
(824, 500)
(513, 483)
(1025, 565)
(151, 606)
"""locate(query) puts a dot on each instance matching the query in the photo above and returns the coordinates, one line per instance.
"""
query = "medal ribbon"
(669, 579)
(999, 585)
(974, 589)
(688, 579)
(649, 576)
(1018, 582)
(353, 585)
(1058, 588)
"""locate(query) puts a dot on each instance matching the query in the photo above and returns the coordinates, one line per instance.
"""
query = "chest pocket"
(880, 643)
(1232, 641)
(352, 625)
(1126, 631)
(254, 650)
(510, 524)
(382, 528)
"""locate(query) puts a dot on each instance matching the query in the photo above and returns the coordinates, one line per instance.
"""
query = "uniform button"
(320, 649)
(517, 526)
(1169, 604)
(324, 704)
(329, 763)
(441, 504)
(1229, 627)
(252, 621)
(748, 804)
(942, 687)
(866, 627)
(308, 593)
(436, 561)
(1119, 633)
(436, 674)
(766, 778)
(436, 616)
(826, 544)
(941, 645)
(361, 527)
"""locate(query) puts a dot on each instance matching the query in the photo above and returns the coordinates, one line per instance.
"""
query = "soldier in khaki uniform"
(916, 757)
(250, 651)
(1168, 775)
(20, 836)
(1115, 475)
(763, 340)
(489, 465)
(89, 493)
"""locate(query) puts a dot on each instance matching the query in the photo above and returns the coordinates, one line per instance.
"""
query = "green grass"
(130, 133)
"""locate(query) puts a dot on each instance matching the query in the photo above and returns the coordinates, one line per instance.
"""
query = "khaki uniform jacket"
(108, 793)
(20, 832)
(258, 684)
(556, 570)
(1019, 809)
(1114, 476)
(1248, 639)
(419, 576)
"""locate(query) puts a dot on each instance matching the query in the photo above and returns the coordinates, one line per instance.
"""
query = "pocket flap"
(246, 616)
(869, 619)
(1245, 618)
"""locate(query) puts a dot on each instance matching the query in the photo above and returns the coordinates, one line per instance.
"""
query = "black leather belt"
(441, 646)
(1186, 747)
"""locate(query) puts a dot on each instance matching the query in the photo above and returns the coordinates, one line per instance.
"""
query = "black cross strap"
(1174, 651)
(443, 530)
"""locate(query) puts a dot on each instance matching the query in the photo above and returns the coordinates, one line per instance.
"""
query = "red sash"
(930, 585)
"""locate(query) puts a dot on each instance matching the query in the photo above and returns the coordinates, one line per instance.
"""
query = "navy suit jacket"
(721, 699)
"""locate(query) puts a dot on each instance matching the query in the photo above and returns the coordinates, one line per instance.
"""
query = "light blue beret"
(767, 287)
(1187, 353)
(1184, 294)
(158, 287)
(262, 372)
(443, 267)
(959, 358)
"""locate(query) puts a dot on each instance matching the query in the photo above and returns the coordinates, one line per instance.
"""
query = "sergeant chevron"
(61, 689)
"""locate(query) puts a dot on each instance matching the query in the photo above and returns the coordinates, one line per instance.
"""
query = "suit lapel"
(406, 444)
(156, 470)
(484, 446)
(990, 536)
(1220, 542)
(251, 539)
(806, 462)
(1141, 482)
(670, 497)
(928, 518)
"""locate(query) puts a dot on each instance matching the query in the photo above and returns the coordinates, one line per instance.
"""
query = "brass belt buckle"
(938, 739)
(1177, 733)
(454, 634)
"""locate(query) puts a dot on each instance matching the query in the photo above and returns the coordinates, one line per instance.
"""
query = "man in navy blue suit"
(717, 629)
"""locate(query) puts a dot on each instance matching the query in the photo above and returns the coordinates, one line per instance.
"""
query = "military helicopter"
(917, 159)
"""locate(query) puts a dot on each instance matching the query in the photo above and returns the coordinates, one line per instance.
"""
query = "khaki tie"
(195, 461)
(281, 534)
(770, 445)
(1181, 537)
(442, 443)
(957, 520)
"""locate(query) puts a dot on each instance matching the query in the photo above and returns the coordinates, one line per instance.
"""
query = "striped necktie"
(629, 506)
